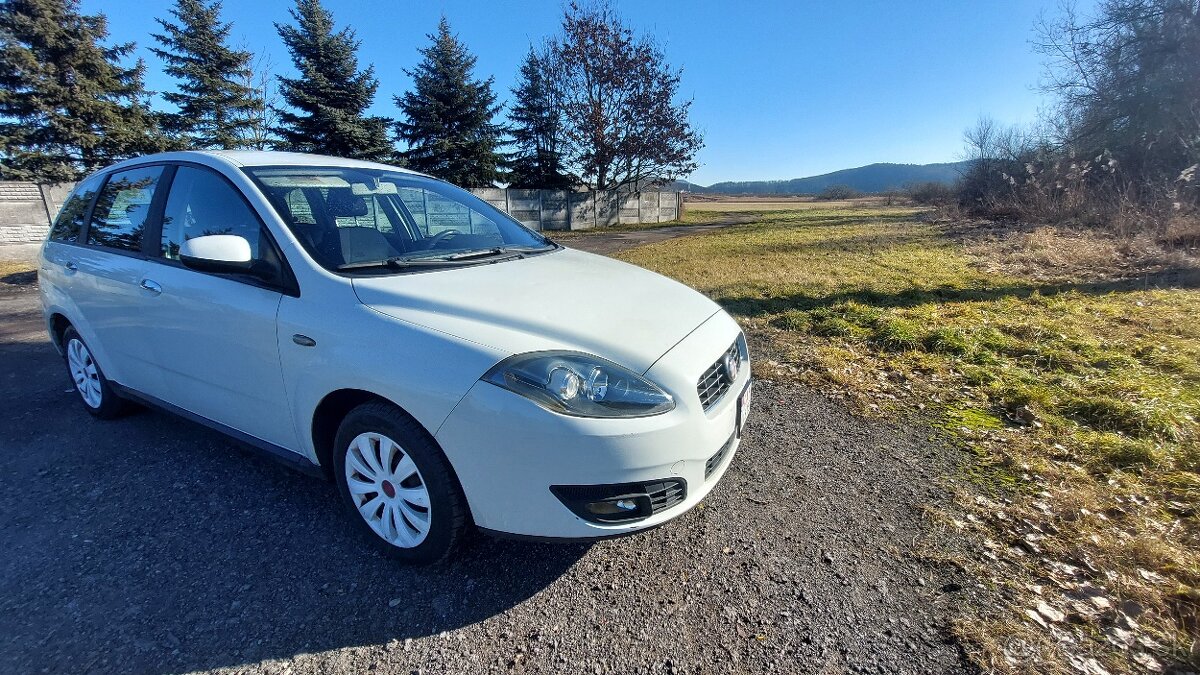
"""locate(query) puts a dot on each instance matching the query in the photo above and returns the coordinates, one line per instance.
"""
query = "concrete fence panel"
(551, 210)
(27, 209)
(25, 212)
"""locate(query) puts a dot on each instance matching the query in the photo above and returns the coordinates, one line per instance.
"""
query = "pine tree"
(213, 98)
(448, 116)
(536, 117)
(330, 97)
(67, 103)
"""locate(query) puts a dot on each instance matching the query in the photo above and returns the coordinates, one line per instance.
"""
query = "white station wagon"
(446, 366)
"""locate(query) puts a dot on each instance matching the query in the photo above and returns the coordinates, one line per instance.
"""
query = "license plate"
(744, 407)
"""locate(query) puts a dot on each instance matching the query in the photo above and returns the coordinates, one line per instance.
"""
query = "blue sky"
(781, 89)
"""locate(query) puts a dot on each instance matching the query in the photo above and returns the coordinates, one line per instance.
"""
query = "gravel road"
(152, 545)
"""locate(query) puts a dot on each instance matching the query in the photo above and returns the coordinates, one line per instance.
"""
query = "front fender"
(423, 371)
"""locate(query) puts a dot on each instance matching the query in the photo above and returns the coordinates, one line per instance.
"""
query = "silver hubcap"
(388, 490)
(84, 372)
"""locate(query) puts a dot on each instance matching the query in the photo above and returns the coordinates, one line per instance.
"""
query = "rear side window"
(69, 223)
(201, 203)
(121, 212)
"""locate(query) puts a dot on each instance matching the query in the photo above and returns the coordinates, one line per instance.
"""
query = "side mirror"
(222, 253)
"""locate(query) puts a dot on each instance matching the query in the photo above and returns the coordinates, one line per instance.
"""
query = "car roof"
(244, 158)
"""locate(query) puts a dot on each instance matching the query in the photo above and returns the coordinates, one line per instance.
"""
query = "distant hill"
(869, 178)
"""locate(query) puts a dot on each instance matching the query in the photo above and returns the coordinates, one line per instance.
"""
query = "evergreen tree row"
(69, 104)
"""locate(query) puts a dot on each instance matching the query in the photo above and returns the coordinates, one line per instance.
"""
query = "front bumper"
(508, 451)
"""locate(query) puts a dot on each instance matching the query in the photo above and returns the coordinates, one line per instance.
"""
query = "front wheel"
(400, 487)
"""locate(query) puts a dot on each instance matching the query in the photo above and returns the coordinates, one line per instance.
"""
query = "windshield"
(376, 220)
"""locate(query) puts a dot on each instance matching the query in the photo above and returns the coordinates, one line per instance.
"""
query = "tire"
(414, 512)
(95, 391)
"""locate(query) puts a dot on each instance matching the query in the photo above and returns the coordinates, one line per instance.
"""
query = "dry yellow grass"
(8, 267)
(1078, 399)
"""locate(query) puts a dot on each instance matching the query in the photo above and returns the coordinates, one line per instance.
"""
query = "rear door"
(213, 335)
(60, 254)
(103, 277)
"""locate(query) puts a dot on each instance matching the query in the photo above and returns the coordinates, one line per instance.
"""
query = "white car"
(443, 364)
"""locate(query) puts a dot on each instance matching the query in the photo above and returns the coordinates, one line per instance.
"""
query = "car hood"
(566, 299)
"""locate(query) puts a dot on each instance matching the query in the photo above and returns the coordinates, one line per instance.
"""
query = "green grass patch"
(897, 334)
(972, 419)
(1074, 358)
(1078, 393)
(952, 341)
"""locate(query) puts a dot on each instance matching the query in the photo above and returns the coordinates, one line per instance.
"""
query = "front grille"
(666, 494)
(715, 461)
(717, 380)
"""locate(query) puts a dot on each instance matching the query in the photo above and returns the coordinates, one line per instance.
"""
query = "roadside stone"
(1049, 613)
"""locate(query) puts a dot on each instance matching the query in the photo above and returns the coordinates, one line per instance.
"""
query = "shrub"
(835, 192)
(931, 193)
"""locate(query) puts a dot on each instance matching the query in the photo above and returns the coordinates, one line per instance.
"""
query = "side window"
(123, 207)
(69, 223)
(200, 203)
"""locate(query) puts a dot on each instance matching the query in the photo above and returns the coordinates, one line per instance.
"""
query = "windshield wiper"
(494, 251)
(481, 253)
(396, 263)
(402, 262)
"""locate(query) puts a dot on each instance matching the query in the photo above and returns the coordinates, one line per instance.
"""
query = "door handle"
(151, 286)
(71, 266)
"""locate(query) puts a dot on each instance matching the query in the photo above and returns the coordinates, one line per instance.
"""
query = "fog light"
(611, 508)
(620, 502)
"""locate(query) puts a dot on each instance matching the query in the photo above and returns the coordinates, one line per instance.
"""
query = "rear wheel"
(93, 388)
(401, 489)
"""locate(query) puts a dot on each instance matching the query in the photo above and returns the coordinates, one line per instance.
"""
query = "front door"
(214, 335)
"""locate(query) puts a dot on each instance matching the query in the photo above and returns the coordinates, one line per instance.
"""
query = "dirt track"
(608, 243)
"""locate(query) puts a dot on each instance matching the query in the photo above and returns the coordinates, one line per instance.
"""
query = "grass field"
(1077, 401)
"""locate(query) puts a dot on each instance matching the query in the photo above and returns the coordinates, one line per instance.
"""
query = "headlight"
(579, 384)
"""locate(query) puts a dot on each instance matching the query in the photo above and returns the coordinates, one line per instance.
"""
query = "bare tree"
(1127, 80)
(257, 126)
(623, 120)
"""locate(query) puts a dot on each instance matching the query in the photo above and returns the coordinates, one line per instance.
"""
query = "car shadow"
(152, 544)
(27, 278)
